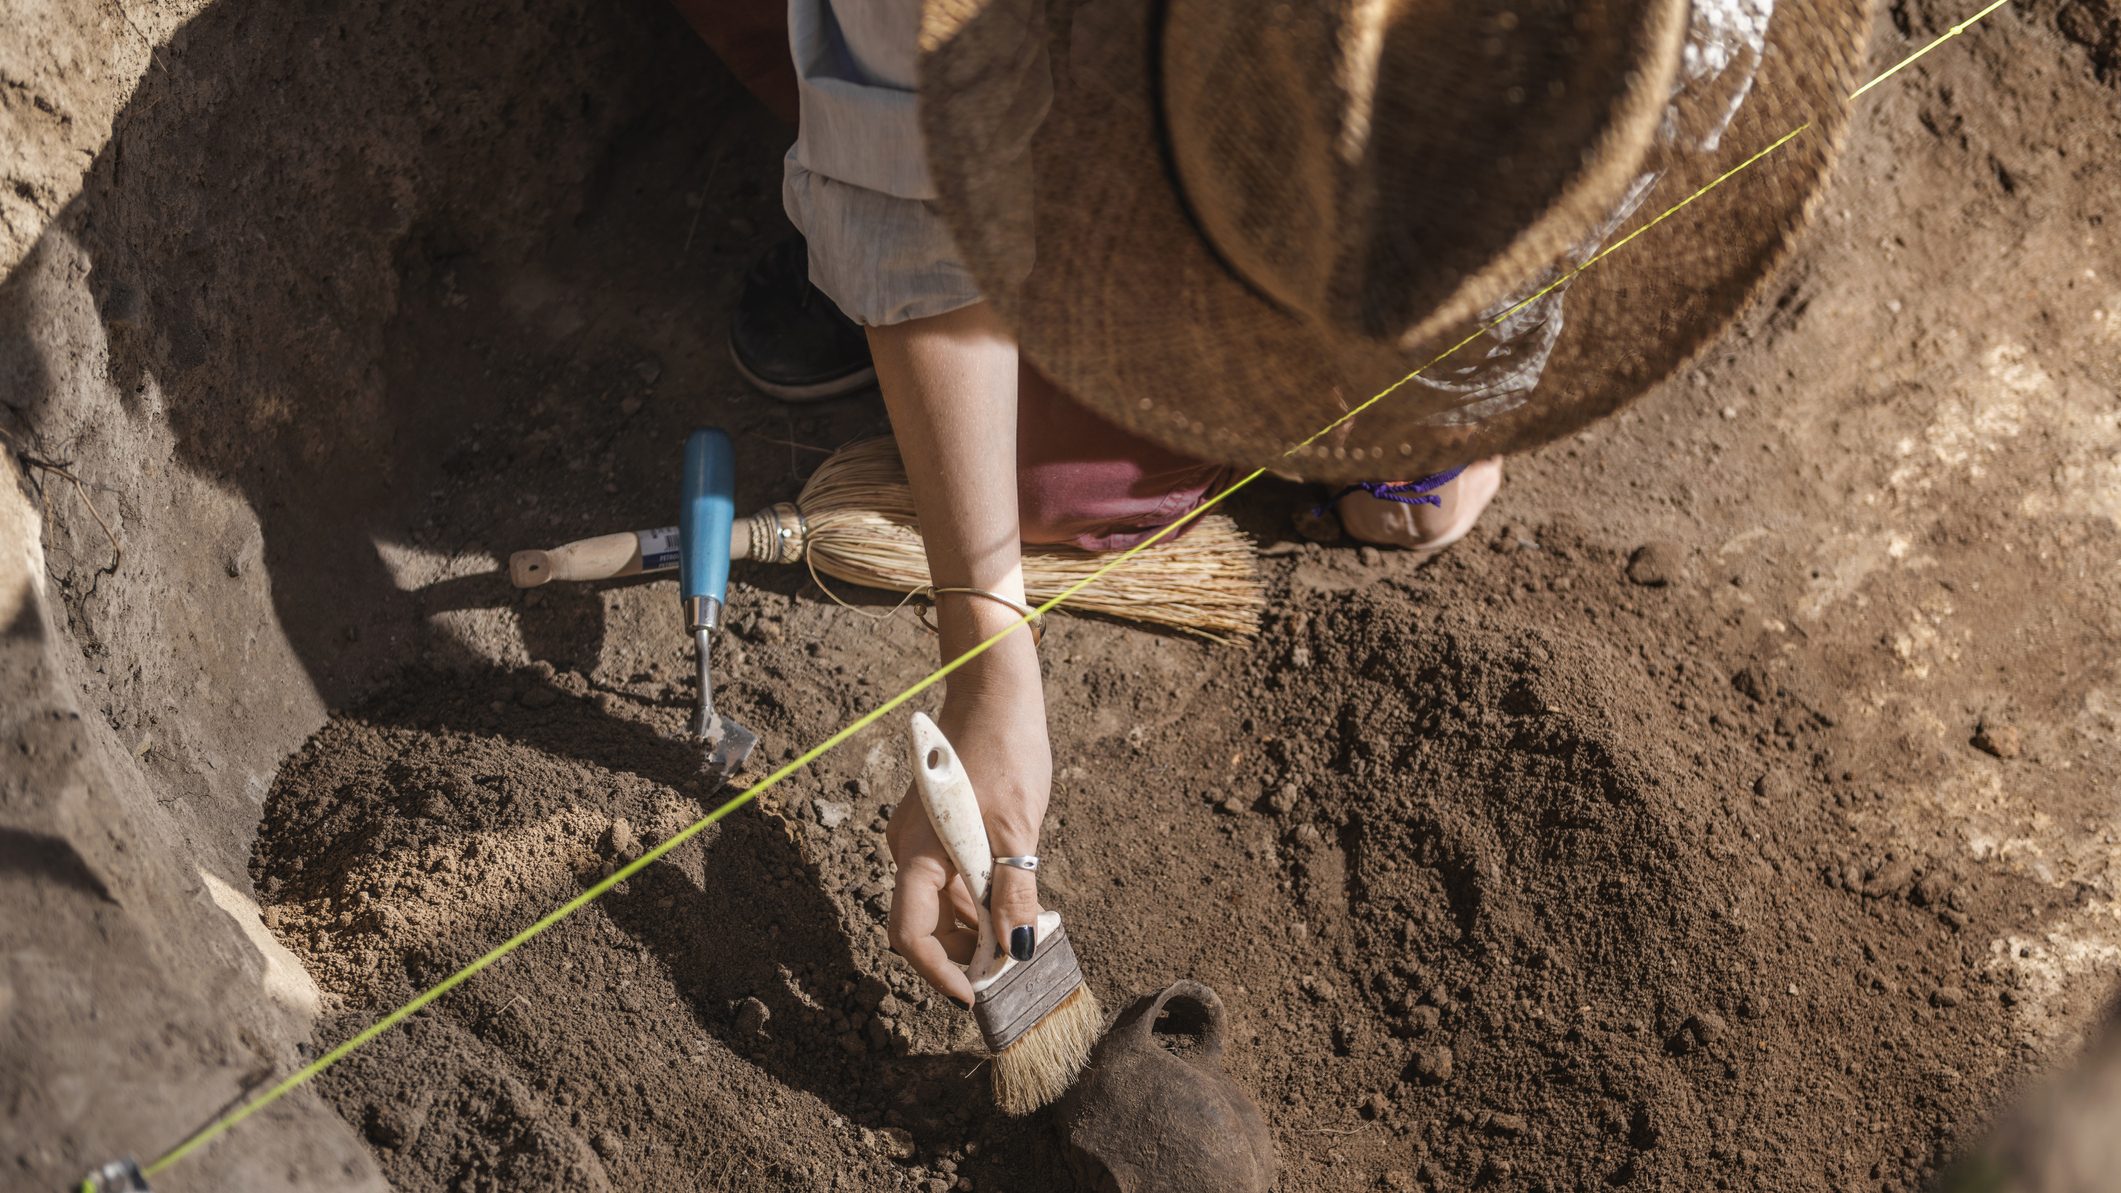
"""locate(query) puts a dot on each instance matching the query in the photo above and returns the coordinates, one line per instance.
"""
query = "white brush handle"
(953, 809)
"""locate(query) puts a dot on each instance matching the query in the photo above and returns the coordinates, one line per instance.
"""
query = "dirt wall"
(209, 220)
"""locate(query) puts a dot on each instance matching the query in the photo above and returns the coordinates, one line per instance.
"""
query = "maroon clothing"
(1081, 480)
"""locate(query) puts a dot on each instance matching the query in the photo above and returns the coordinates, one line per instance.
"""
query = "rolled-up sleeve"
(856, 182)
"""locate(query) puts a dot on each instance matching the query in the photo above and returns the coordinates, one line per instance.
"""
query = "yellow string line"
(214, 1129)
(1953, 32)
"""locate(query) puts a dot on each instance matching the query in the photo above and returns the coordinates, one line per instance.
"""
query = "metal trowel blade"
(725, 747)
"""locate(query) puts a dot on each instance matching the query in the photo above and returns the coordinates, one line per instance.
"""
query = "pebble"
(1370, 556)
(630, 405)
(1433, 1065)
(620, 840)
(1891, 878)
(1283, 801)
(895, 1142)
(2002, 741)
(1775, 787)
(1507, 1125)
(393, 1126)
(608, 1144)
(1234, 805)
(751, 1018)
(1947, 996)
(1655, 564)
(832, 813)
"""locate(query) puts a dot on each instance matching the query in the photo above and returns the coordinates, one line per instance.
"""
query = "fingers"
(961, 903)
(1013, 900)
(917, 933)
(959, 941)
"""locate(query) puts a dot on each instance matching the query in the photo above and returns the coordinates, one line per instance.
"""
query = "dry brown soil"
(1733, 810)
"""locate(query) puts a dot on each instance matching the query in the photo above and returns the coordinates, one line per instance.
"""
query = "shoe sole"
(816, 391)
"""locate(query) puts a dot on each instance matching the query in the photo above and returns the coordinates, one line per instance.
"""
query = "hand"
(998, 728)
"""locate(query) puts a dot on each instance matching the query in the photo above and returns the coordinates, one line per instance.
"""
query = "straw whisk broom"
(854, 521)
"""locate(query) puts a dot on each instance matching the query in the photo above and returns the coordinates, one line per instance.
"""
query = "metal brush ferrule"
(702, 613)
(1027, 992)
(777, 534)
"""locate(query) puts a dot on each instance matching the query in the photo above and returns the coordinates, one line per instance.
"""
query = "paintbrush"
(1037, 1017)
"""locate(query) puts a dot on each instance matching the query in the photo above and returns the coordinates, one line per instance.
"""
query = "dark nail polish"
(962, 1004)
(1022, 940)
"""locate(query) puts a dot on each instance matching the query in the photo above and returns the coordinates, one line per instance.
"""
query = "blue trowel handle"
(708, 506)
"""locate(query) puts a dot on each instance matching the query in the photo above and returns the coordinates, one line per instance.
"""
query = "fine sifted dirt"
(1544, 891)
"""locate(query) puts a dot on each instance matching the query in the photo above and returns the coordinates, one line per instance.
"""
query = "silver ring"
(1023, 862)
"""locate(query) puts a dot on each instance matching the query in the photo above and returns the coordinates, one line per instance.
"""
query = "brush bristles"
(1043, 1062)
(861, 528)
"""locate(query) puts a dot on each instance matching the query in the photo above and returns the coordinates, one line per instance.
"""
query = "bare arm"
(950, 383)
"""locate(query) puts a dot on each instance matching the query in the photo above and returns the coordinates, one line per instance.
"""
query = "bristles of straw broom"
(861, 528)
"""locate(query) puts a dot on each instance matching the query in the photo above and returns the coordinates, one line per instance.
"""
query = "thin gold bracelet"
(1034, 618)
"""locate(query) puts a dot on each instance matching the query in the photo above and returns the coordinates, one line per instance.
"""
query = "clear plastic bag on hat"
(1498, 370)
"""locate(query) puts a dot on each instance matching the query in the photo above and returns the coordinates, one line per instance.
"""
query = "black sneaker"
(788, 339)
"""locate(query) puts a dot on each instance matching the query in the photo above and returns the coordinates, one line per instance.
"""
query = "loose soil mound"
(1527, 891)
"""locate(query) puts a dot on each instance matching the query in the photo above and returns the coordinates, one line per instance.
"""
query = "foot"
(788, 339)
(1404, 515)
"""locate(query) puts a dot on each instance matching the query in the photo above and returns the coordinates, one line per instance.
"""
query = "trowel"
(704, 517)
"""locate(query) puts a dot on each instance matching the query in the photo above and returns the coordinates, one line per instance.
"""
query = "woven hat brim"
(1046, 158)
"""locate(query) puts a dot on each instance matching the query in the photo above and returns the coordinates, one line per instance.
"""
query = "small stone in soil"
(1932, 890)
(1284, 799)
(608, 1144)
(1507, 1125)
(1655, 564)
(895, 1142)
(620, 841)
(2002, 741)
(1433, 1065)
(751, 1017)
(832, 813)
(1370, 556)
(1948, 996)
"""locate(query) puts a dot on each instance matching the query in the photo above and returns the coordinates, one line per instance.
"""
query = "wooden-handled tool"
(854, 520)
(767, 535)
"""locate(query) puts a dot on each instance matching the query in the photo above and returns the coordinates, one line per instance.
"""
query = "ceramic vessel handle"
(1211, 1014)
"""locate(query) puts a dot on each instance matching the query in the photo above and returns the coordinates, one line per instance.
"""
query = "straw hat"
(1224, 223)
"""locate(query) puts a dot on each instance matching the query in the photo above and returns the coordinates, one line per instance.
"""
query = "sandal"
(1420, 516)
